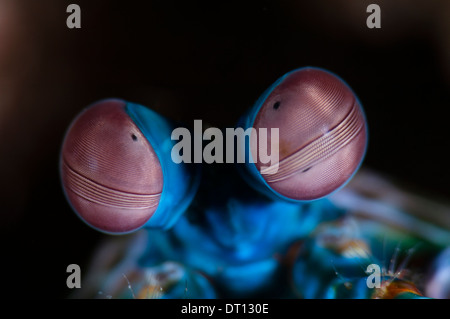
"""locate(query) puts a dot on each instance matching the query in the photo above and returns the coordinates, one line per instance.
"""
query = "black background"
(190, 60)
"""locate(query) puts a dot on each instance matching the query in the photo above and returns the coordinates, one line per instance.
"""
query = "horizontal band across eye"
(319, 149)
(100, 194)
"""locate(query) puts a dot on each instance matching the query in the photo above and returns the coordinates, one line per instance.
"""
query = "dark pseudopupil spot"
(134, 137)
(276, 105)
(307, 169)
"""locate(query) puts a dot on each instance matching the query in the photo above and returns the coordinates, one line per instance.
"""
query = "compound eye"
(322, 134)
(110, 172)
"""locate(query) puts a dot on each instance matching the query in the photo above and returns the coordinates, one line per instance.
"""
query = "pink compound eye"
(110, 173)
(322, 134)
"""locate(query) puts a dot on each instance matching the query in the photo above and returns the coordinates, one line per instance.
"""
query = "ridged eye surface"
(110, 173)
(322, 134)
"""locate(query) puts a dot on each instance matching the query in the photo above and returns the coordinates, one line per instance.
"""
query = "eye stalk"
(115, 172)
(322, 135)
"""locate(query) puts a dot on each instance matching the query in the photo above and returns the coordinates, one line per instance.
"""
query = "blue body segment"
(240, 246)
(319, 271)
(180, 180)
